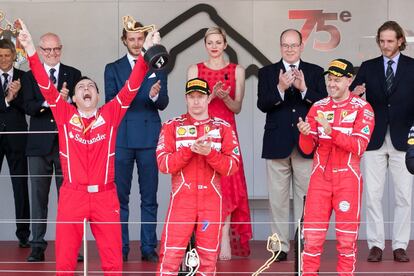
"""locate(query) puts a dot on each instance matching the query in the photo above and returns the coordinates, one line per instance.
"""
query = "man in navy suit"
(388, 84)
(136, 142)
(43, 149)
(12, 118)
(286, 91)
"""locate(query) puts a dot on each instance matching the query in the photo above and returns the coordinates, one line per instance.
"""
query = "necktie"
(389, 77)
(5, 83)
(52, 77)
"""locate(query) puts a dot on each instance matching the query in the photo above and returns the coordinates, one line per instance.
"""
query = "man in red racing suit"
(339, 127)
(196, 201)
(87, 150)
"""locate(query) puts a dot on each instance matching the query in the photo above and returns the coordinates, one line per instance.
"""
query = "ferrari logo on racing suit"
(348, 118)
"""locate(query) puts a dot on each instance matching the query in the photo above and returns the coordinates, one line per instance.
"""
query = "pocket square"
(152, 76)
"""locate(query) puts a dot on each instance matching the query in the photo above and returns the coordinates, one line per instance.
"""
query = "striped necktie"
(52, 75)
(5, 83)
(389, 77)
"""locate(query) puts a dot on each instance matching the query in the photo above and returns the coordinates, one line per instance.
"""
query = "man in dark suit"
(286, 91)
(12, 118)
(43, 149)
(388, 84)
(136, 142)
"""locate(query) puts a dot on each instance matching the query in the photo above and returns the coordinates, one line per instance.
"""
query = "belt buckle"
(93, 188)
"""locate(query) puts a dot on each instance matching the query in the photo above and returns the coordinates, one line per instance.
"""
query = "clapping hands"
(202, 145)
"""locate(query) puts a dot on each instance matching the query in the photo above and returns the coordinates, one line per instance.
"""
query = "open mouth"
(87, 97)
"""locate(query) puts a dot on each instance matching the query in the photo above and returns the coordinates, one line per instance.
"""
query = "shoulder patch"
(324, 101)
(357, 101)
(175, 119)
(218, 121)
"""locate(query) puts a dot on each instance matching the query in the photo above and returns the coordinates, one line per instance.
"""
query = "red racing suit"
(336, 182)
(409, 156)
(196, 201)
(87, 152)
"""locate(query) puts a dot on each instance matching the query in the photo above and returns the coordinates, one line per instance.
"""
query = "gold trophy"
(274, 246)
(157, 56)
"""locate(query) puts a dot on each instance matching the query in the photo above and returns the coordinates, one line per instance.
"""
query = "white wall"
(90, 31)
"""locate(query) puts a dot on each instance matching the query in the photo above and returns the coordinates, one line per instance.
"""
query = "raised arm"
(130, 89)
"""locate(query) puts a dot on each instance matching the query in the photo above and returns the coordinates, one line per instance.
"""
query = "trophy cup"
(157, 56)
(274, 246)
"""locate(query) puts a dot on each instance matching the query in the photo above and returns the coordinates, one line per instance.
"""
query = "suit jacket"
(13, 118)
(395, 110)
(141, 125)
(41, 118)
(281, 134)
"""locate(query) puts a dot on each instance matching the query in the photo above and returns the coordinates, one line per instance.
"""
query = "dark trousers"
(148, 185)
(17, 162)
(41, 171)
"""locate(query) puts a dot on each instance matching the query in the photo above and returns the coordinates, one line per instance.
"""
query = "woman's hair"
(216, 30)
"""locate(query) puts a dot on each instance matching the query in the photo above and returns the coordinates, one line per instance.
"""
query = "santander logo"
(97, 138)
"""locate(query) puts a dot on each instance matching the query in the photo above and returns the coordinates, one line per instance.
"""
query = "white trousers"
(280, 174)
(376, 163)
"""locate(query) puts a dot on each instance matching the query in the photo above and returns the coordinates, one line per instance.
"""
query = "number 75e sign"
(318, 18)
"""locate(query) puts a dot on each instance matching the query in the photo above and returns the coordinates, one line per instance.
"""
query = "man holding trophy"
(87, 148)
(138, 134)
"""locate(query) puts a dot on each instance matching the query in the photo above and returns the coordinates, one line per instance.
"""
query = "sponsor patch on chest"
(99, 122)
(76, 121)
(328, 115)
(186, 131)
(348, 117)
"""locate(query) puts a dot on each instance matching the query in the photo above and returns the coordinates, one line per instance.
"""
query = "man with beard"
(387, 82)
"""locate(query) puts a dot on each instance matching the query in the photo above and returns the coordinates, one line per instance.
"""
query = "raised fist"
(152, 39)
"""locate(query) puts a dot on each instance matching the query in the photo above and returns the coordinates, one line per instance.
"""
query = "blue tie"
(5, 83)
(52, 75)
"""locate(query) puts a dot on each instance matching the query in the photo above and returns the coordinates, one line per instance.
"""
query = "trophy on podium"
(157, 56)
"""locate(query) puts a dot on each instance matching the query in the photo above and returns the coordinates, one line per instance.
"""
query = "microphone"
(226, 77)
